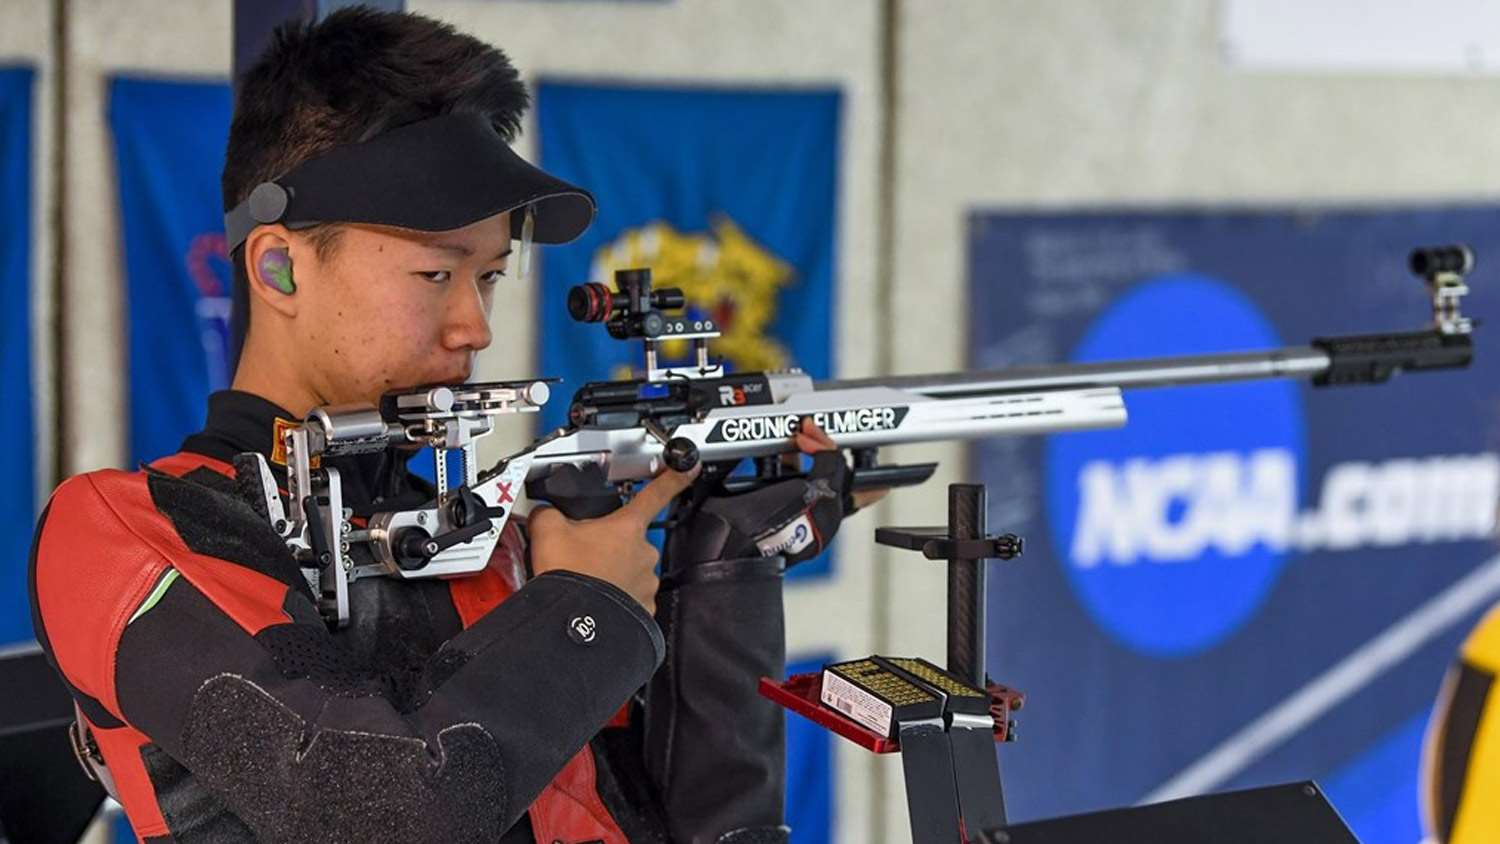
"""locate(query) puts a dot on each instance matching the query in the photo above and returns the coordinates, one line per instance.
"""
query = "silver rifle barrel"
(1292, 362)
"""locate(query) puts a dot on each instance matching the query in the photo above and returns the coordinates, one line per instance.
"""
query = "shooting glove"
(794, 519)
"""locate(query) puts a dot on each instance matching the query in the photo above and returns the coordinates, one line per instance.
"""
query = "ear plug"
(276, 271)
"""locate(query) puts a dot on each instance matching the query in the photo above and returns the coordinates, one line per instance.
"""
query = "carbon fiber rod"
(966, 520)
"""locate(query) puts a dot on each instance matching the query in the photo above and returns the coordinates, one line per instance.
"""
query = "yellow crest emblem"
(725, 275)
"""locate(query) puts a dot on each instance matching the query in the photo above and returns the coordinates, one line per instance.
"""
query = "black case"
(44, 795)
(1295, 813)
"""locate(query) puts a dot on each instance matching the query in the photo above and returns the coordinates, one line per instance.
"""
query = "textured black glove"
(794, 519)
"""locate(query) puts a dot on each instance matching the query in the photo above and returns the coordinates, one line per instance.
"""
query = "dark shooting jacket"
(469, 709)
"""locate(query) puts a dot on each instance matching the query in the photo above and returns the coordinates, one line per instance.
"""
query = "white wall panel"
(1353, 36)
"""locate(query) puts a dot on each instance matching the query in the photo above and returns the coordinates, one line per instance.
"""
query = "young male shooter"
(372, 204)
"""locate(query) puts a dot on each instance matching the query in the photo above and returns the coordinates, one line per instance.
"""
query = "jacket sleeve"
(172, 608)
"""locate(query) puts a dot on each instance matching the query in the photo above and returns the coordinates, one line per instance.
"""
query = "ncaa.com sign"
(1174, 529)
(1231, 502)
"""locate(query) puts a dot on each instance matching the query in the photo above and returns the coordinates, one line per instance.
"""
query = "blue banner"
(17, 463)
(1249, 583)
(730, 195)
(169, 141)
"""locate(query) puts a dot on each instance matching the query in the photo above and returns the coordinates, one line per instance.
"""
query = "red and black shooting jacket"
(226, 710)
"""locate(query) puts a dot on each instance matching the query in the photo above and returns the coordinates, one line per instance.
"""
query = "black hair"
(345, 79)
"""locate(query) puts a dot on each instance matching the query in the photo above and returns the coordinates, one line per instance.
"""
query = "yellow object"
(1462, 755)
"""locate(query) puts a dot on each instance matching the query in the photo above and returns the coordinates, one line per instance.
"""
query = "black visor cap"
(434, 175)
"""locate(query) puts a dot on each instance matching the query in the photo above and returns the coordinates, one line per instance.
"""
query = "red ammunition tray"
(802, 694)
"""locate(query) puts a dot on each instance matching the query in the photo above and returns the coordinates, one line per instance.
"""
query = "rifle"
(624, 432)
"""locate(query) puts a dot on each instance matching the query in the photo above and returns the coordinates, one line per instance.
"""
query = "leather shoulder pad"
(91, 569)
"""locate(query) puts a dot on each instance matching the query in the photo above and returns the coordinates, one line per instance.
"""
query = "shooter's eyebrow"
(463, 250)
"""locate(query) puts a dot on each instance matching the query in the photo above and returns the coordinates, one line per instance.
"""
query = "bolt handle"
(680, 454)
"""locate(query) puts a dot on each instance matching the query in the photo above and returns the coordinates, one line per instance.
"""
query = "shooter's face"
(395, 308)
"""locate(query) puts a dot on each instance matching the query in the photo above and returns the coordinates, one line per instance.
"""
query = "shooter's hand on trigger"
(793, 518)
(811, 439)
(612, 548)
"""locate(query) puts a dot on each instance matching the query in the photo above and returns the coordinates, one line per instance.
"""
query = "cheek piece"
(276, 271)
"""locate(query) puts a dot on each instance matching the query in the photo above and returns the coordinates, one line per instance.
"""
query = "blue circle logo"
(1173, 529)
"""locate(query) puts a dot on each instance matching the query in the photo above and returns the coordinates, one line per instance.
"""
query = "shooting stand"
(952, 773)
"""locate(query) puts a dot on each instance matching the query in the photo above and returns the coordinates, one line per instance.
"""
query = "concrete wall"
(1015, 103)
(161, 37)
